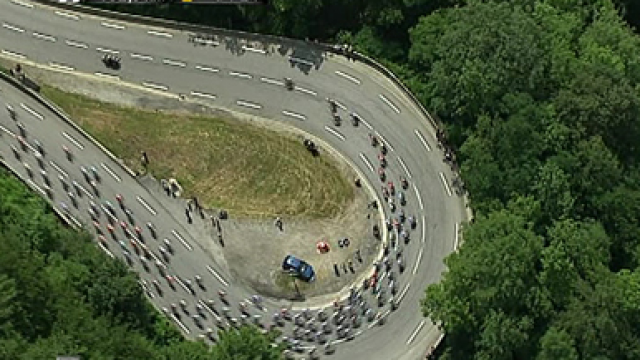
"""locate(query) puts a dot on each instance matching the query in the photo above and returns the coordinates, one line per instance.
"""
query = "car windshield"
(303, 268)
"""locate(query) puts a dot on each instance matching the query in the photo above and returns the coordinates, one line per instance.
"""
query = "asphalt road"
(251, 82)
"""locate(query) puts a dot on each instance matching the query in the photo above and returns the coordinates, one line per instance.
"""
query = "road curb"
(61, 114)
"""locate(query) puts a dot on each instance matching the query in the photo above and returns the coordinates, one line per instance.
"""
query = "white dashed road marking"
(203, 95)
(182, 240)
(174, 63)
(404, 167)
(214, 273)
(58, 169)
(445, 184)
(418, 259)
(61, 66)
(113, 174)
(415, 332)
(141, 57)
(12, 28)
(424, 226)
(294, 115)
(248, 48)
(385, 141)
(155, 86)
(109, 51)
(335, 133)
(13, 54)
(112, 26)
(348, 77)
(271, 81)
(418, 196)
(457, 237)
(76, 44)
(301, 61)
(158, 33)
(44, 37)
(366, 162)
(31, 111)
(68, 16)
(404, 292)
(7, 130)
(146, 206)
(364, 122)
(205, 68)
(422, 140)
(340, 105)
(240, 75)
(248, 104)
(74, 141)
(388, 102)
(306, 91)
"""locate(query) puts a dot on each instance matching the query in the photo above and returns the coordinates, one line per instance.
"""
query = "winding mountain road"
(245, 77)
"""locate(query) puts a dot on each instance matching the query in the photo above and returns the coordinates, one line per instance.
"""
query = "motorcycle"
(288, 83)
(111, 62)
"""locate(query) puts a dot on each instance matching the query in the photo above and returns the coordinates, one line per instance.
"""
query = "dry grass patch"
(227, 163)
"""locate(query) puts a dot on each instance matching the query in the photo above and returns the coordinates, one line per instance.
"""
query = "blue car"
(299, 267)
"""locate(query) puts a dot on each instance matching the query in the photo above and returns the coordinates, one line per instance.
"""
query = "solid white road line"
(109, 51)
(404, 166)
(76, 44)
(240, 75)
(74, 141)
(415, 189)
(248, 48)
(366, 162)
(385, 141)
(158, 33)
(457, 238)
(113, 174)
(61, 66)
(415, 332)
(177, 321)
(13, 54)
(422, 140)
(335, 133)
(388, 102)
(445, 184)
(12, 28)
(155, 86)
(38, 188)
(294, 115)
(58, 169)
(182, 240)
(68, 16)
(301, 61)
(214, 273)
(306, 91)
(112, 26)
(146, 206)
(248, 104)
(364, 122)
(141, 57)
(108, 76)
(174, 63)
(424, 226)
(31, 111)
(203, 95)
(271, 81)
(44, 37)
(418, 259)
(205, 68)
(348, 77)
(27, 5)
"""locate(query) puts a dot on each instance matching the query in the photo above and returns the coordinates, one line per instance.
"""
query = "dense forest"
(541, 99)
(60, 295)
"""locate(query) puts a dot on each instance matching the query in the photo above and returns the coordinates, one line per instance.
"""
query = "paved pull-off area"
(197, 287)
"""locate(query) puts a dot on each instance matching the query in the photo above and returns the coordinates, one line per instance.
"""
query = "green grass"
(227, 163)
